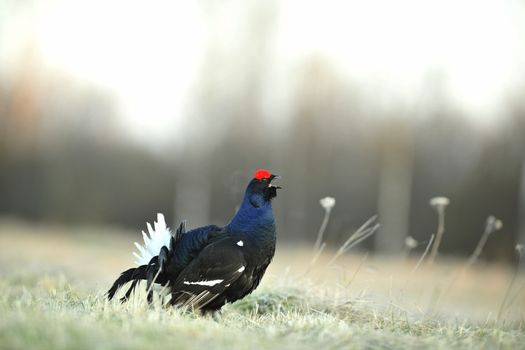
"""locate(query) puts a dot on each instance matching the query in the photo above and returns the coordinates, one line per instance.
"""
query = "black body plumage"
(210, 266)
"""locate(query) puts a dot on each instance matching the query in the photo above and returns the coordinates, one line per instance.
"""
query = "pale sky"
(386, 47)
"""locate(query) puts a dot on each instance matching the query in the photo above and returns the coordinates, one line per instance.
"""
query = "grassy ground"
(52, 282)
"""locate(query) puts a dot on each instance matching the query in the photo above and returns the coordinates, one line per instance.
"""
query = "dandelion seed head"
(439, 202)
(327, 203)
(494, 224)
(410, 242)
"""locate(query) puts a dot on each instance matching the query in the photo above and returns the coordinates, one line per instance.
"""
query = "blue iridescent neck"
(250, 218)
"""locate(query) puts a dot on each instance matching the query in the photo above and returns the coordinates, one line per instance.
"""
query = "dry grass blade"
(357, 269)
(362, 237)
(359, 231)
(357, 237)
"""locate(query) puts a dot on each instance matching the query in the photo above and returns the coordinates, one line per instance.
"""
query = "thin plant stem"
(427, 249)
(490, 227)
(517, 294)
(318, 253)
(322, 229)
(423, 255)
(439, 234)
(357, 270)
(502, 307)
(479, 248)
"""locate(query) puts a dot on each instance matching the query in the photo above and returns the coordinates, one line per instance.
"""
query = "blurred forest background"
(112, 111)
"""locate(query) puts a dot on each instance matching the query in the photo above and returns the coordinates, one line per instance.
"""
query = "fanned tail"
(157, 236)
(134, 274)
(153, 259)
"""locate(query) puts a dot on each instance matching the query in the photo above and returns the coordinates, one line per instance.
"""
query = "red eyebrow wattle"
(262, 174)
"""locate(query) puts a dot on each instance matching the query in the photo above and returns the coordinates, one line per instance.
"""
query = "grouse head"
(260, 190)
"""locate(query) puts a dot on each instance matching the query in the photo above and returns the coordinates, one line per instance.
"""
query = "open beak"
(274, 177)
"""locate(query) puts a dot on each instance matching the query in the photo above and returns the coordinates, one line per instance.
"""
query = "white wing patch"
(240, 243)
(241, 269)
(204, 283)
(158, 236)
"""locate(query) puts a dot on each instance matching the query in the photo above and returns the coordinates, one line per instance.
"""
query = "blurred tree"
(395, 186)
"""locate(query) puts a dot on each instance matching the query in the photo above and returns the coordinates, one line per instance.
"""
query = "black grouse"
(209, 266)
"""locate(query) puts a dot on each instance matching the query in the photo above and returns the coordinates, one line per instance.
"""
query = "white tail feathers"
(158, 237)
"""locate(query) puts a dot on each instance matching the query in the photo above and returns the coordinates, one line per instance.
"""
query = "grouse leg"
(151, 274)
(155, 268)
(163, 258)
